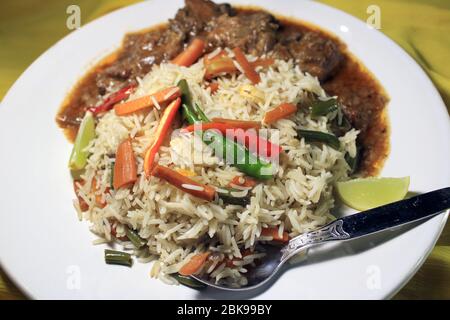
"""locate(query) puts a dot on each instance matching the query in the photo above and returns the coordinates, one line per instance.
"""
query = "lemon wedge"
(367, 193)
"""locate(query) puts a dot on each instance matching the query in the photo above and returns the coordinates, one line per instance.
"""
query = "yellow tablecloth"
(29, 27)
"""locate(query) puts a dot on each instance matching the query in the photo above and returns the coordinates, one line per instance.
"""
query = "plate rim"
(23, 287)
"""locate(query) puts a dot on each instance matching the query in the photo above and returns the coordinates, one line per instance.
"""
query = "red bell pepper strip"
(256, 144)
(114, 98)
(164, 125)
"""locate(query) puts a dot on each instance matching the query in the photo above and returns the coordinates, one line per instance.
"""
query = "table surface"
(21, 20)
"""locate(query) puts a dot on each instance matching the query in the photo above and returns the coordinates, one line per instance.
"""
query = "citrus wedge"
(367, 193)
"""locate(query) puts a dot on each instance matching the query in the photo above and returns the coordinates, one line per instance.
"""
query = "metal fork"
(347, 228)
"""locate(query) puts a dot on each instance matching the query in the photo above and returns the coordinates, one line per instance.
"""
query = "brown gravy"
(364, 98)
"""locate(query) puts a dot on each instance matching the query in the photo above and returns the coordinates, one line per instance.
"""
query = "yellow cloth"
(421, 27)
(29, 27)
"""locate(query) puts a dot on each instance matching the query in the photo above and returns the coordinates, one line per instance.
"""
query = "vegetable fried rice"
(154, 184)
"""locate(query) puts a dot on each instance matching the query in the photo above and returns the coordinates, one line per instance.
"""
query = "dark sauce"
(73, 108)
(363, 97)
(358, 90)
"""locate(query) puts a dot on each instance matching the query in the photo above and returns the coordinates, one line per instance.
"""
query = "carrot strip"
(190, 54)
(213, 86)
(242, 124)
(162, 96)
(263, 62)
(113, 99)
(218, 65)
(125, 171)
(222, 127)
(207, 60)
(98, 197)
(273, 232)
(164, 124)
(194, 265)
(76, 186)
(247, 182)
(184, 183)
(249, 70)
(282, 111)
(186, 172)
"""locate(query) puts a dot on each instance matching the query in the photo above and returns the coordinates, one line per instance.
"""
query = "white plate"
(49, 254)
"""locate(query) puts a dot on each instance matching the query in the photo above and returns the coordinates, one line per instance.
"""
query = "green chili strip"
(201, 114)
(137, 241)
(322, 108)
(317, 136)
(245, 161)
(118, 257)
(186, 98)
(189, 282)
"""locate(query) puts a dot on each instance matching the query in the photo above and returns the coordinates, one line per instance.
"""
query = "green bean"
(226, 195)
(118, 257)
(189, 282)
(318, 136)
(112, 175)
(322, 108)
(353, 162)
(135, 239)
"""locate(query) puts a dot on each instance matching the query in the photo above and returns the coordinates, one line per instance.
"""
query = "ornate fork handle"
(330, 232)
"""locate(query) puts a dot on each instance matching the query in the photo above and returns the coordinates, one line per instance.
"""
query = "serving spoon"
(347, 228)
